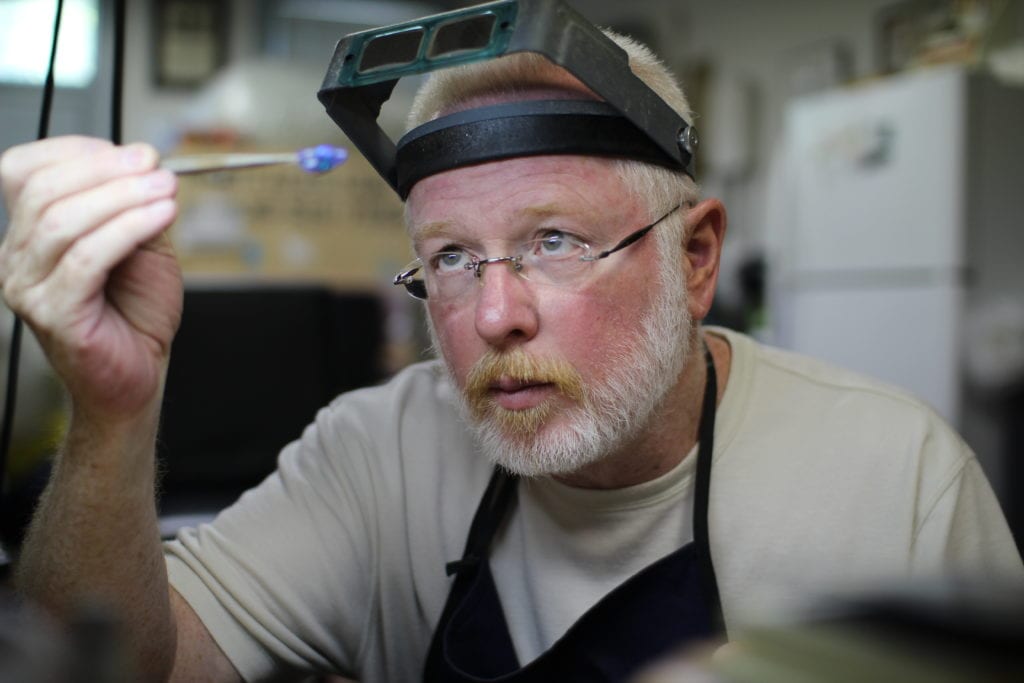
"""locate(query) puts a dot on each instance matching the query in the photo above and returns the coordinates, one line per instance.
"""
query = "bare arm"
(198, 656)
(94, 540)
(86, 265)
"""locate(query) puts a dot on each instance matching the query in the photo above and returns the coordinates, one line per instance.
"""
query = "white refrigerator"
(897, 203)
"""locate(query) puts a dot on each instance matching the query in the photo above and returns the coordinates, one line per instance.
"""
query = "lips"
(510, 384)
(516, 394)
(515, 383)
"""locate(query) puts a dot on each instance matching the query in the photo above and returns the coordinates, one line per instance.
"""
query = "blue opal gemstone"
(321, 158)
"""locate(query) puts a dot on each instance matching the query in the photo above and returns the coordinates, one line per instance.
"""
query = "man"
(565, 294)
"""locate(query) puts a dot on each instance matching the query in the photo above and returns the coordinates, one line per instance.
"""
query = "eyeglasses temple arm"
(630, 239)
(636, 236)
(404, 277)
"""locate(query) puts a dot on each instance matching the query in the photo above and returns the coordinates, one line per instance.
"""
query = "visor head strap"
(520, 129)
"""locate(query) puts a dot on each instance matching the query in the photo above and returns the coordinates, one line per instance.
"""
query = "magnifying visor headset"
(631, 122)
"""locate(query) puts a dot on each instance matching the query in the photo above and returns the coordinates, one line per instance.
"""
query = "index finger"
(21, 161)
(56, 178)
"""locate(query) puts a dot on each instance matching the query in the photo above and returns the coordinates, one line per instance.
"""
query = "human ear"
(705, 231)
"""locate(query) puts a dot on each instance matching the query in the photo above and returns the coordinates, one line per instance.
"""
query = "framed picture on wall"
(190, 41)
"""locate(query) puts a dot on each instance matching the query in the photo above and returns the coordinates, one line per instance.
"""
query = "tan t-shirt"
(822, 481)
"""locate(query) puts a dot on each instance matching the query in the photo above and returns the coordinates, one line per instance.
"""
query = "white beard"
(617, 409)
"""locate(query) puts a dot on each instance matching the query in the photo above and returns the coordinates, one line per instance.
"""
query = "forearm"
(94, 538)
(86, 263)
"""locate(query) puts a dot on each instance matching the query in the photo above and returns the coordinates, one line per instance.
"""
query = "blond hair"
(526, 75)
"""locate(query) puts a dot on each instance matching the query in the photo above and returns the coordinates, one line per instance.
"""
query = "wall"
(148, 107)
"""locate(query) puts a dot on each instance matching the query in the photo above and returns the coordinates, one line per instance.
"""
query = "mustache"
(520, 366)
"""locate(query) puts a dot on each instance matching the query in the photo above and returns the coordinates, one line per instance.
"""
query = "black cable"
(118, 85)
(44, 112)
(16, 330)
(13, 360)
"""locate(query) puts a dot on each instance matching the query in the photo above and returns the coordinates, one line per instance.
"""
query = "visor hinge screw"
(688, 140)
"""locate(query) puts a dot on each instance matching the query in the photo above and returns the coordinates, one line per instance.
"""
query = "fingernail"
(160, 208)
(158, 181)
(135, 156)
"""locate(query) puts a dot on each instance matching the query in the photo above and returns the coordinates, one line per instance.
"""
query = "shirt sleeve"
(963, 530)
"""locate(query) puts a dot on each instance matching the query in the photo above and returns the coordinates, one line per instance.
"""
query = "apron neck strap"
(702, 490)
(496, 501)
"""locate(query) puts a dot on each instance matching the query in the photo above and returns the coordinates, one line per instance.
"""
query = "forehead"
(513, 77)
(528, 188)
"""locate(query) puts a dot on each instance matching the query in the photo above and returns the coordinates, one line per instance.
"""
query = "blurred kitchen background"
(870, 155)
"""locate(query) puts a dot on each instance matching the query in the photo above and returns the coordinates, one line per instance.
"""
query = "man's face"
(552, 377)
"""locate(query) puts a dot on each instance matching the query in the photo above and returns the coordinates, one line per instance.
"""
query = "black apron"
(665, 605)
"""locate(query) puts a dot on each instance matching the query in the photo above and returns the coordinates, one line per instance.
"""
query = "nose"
(506, 312)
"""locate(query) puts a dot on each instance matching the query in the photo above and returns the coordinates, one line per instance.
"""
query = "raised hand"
(86, 264)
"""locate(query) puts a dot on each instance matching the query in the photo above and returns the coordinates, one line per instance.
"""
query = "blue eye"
(556, 244)
(552, 244)
(449, 261)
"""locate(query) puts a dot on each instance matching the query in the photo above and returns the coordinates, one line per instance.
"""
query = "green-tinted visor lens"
(444, 40)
